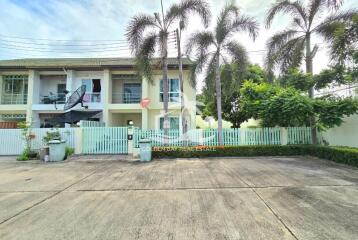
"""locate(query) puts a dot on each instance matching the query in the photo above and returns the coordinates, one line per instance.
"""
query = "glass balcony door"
(132, 92)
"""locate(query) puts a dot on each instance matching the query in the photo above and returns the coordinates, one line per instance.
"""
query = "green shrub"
(52, 135)
(25, 155)
(69, 152)
(337, 154)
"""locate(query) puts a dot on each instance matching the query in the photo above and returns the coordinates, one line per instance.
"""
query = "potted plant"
(57, 146)
(28, 137)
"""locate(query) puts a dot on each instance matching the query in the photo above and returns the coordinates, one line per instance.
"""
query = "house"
(112, 87)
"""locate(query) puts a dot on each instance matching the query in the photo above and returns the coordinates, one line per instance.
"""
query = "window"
(174, 122)
(14, 89)
(131, 92)
(61, 88)
(93, 90)
(174, 90)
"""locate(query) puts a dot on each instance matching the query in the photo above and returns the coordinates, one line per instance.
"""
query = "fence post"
(130, 140)
(243, 136)
(78, 140)
(284, 136)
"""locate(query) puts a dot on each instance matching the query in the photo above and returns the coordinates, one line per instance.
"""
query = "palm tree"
(147, 33)
(288, 48)
(211, 48)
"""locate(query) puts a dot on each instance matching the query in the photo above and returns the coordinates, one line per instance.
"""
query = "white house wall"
(344, 135)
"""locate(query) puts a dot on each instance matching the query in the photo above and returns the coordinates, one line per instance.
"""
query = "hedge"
(338, 154)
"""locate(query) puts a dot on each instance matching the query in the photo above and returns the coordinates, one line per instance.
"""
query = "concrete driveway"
(227, 198)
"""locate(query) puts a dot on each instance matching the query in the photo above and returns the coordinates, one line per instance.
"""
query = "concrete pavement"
(232, 198)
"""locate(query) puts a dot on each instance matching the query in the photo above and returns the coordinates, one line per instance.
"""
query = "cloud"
(97, 20)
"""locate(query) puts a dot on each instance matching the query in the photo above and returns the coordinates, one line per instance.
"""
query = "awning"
(73, 116)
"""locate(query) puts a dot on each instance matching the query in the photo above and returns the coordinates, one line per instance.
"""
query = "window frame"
(161, 122)
(171, 98)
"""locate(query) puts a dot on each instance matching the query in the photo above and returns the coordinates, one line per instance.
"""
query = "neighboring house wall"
(344, 135)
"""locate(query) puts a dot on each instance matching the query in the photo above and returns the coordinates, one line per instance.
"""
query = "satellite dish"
(76, 98)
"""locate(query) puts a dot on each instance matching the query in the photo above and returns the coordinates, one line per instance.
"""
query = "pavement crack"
(269, 207)
(275, 214)
(45, 199)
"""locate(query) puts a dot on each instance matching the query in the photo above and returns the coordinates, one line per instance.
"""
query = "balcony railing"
(126, 98)
(92, 97)
(61, 98)
(14, 98)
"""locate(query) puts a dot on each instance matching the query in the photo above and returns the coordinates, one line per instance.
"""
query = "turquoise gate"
(105, 140)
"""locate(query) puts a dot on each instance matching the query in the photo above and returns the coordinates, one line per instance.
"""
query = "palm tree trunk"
(218, 99)
(309, 69)
(182, 104)
(166, 123)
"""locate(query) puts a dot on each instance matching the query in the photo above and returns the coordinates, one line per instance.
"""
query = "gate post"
(78, 140)
(284, 136)
(130, 140)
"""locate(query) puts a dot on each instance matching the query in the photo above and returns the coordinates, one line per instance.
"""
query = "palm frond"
(202, 61)
(324, 28)
(209, 77)
(182, 10)
(199, 41)
(278, 40)
(288, 55)
(297, 22)
(334, 3)
(136, 28)
(245, 24)
(145, 54)
(238, 54)
(224, 21)
(314, 8)
(295, 8)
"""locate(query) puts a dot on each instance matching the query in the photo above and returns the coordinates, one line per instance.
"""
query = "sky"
(56, 28)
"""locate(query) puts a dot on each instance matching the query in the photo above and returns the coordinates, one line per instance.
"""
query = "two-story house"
(112, 87)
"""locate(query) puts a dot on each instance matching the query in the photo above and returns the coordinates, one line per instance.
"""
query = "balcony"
(126, 98)
(61, 98)
(14, 98)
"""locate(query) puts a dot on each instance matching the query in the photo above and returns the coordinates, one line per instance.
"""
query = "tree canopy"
(287, 107)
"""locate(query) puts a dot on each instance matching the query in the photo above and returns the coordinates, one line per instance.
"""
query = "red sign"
(144, 102)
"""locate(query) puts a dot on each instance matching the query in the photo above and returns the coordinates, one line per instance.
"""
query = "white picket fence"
(12, 142)
(231, 136)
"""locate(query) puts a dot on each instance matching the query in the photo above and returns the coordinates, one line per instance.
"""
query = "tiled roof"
(77, 62)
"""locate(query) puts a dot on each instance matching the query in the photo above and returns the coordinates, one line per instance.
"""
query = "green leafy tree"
(287, 107)
(296, 79)
(232, 78)
(147, 33)
(214, 48)
(288, 48)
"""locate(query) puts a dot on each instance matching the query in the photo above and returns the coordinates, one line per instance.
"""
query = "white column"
(106, 97)
(145, 119)
(145, 114)
(33, 96)
(78, 140)
(70, 80)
